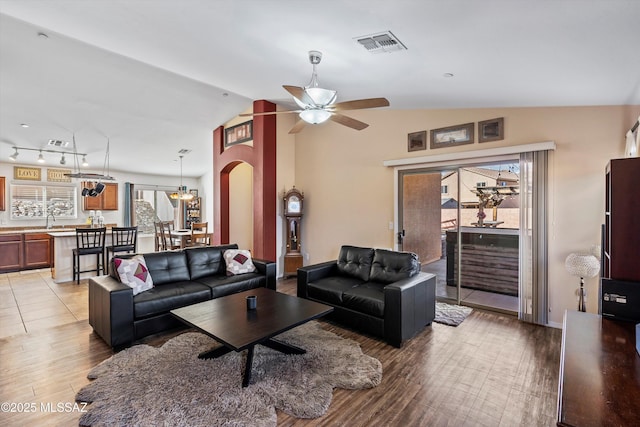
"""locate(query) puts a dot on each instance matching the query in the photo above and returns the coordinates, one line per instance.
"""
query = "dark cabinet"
(192, 212)
(622, 225)
(106, 201)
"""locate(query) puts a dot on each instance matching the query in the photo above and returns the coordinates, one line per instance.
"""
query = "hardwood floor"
(490, 371)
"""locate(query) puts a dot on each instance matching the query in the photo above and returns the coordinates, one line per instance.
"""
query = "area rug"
(169, 385)
(452, 315)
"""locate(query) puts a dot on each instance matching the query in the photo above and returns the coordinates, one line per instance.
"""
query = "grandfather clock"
(293, 216)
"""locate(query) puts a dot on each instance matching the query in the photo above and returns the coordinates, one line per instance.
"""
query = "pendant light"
(182, 193)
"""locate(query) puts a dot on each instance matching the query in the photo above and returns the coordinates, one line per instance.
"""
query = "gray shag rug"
(169, 385)
(452, 315)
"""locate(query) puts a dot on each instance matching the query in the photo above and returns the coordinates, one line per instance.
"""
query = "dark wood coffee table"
(228, 321)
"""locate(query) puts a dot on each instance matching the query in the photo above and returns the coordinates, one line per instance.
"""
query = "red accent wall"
(262, 157)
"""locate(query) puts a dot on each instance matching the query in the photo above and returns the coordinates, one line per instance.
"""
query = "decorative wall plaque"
(58, 175)
(27, 174)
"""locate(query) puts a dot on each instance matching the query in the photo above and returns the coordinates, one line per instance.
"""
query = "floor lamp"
(582, 265)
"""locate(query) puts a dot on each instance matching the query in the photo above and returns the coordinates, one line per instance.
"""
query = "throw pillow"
(238, 261)
(133, 272)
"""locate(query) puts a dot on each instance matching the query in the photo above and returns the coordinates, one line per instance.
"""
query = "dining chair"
(89, 241)
(158, 243)
(199, 234)
(168, 242)
(123, 239)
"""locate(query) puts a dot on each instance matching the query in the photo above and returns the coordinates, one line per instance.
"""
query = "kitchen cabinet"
(3, 193)
(11, 248)
(38, 251)
(106, 201)
(25, 251)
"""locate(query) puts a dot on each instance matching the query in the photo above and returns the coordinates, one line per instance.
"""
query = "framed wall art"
(417, 141)
(238, 133)
(452, 136)
(491, 130)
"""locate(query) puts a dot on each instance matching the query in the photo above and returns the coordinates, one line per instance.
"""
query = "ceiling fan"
(317, 105)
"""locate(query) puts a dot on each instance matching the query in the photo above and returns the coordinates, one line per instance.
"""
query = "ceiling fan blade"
(300, 124)
(348, 121)
(268, 112)
(360, 104)
(300, 94)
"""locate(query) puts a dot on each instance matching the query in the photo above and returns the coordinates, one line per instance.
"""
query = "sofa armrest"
(409, 305)
(268, 268)
(314, 272)
(111, 310)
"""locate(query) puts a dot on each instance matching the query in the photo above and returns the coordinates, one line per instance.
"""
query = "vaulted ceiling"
(154, 77)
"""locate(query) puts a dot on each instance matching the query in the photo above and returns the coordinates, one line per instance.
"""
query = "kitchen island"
(65, 241)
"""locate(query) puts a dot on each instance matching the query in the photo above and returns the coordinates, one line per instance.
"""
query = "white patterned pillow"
(133, 272)
(238, 261)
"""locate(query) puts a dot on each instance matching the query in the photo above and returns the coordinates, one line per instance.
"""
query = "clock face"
(293, 205)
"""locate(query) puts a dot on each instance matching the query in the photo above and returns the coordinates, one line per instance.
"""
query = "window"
(37, 201)
(481, 184)
(444, 189)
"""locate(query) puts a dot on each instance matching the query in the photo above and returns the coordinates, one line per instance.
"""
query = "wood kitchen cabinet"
(106, 201)
(11, 248)
(3, 193)
(25, 251)
(38, 251)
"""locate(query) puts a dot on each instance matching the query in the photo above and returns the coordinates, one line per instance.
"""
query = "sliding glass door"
(464, 224)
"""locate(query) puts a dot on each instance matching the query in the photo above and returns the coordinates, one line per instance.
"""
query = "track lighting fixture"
(41, 159)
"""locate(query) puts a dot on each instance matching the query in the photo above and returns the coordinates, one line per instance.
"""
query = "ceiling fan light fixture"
(322, 97)
(315, 116)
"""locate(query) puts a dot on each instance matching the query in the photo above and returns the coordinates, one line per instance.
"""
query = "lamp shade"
(582, 265)
(315, 116)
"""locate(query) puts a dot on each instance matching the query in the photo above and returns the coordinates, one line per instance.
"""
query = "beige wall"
(349, 193)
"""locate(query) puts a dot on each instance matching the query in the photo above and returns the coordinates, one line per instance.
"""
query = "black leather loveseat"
(180, 278)
(378, 291)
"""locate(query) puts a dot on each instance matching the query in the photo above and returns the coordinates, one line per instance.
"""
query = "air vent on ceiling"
(58, 143)
(184, 151)
(381, 42)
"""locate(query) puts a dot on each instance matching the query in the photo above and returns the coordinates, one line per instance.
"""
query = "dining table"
(183, 236)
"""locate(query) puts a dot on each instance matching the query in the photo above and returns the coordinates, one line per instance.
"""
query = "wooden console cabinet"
(599, 382)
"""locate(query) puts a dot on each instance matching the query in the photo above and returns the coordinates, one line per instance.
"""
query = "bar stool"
(123, 239)
(89, 241)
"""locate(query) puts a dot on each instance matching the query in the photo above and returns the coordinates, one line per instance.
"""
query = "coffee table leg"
(247, 367)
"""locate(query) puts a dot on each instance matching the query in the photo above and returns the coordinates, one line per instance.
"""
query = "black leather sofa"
(381, 292)
(180, 278)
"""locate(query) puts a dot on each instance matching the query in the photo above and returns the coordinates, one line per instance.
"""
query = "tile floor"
(31, 301)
